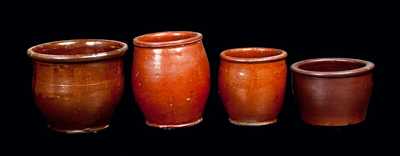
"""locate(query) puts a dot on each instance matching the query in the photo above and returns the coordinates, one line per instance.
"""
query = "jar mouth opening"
(332, 67)
(168, 38)
(77, 50)
(253, 54)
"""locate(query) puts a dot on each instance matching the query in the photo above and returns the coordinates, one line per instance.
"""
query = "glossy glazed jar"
(252, 84)
(332, 91)
(170, 78)
(78, 83)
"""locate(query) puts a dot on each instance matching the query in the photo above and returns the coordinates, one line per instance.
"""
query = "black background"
(305, 30)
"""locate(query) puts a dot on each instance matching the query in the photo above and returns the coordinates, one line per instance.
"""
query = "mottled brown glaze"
(252, 84)
(78, 83)
(332, 91)
(170, 78)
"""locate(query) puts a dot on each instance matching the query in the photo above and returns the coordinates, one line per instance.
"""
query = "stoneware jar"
(170, 78)
(332, 91)
(252, 84)
(78, 83)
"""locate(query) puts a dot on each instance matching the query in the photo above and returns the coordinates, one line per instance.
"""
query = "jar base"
(313, 123)
(174, 126)
(80, 131)
(247, 123)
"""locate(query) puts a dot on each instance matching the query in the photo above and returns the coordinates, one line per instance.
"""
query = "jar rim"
(273, 54)
(167, 38)
(366, 67)
(115, 49)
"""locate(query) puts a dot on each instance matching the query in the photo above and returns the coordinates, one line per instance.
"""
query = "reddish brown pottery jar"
(170, 78)
(332, 91)
(252, 84)
(78, 83)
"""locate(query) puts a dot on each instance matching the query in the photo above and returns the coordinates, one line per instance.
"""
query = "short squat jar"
(170, 78)
(332, 91)
(252, 84)
(78, 83)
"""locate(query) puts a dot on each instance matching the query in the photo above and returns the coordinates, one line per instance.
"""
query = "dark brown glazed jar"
(78, 83)
(252, 84)
(332, 91)
(170, 78)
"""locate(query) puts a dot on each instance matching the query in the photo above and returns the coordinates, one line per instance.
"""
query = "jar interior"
(76, 47)
(252, 53)
(330, 66)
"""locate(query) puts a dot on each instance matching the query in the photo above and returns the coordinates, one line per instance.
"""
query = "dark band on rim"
(77, 50)
(253, 55)
(363, 67)
(168, 38)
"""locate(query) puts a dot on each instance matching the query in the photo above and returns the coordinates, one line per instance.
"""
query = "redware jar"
(78, 83)
(170, 78)
(332, 91)
(252, 84)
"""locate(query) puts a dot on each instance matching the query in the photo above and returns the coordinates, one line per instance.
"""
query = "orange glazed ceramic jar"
(170, 78)
(332, 91)
(78, 83)
(252, 84)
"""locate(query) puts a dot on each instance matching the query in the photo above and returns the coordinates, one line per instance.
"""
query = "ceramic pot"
(170, 78)
(332, 91)
(252, 84)
(78, 83)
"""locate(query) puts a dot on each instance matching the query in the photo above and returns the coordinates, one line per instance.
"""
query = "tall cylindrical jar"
(170, 78)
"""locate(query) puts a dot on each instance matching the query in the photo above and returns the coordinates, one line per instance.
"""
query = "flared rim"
(365, 66)
(264, 54)
(167, 38)
(111, 49)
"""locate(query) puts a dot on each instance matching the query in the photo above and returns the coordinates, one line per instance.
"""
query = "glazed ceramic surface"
(332, 91)
(170, 78)
(78, 83)
(252, 84)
